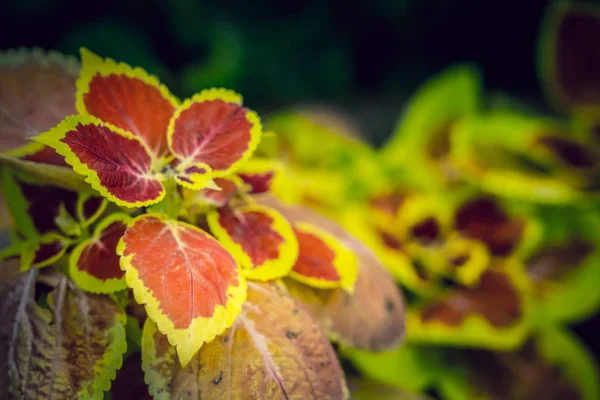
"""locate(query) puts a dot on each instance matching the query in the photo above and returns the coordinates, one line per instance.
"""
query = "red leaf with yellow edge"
(323, 261)
(37, 92)
(190, 285)
(372, 318)
(127, 98)
(274, 350)
(115, 162)
(261, 240)
(259, 174)
(211, 135)
(94, 263)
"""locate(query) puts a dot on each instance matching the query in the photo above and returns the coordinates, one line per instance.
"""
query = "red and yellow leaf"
(212, 134)
(483, 219)
(274, 350)
(115, 162)
(372, 318)
(127, 98)
(37, 92)
(491, 314)
(94, 264)
(323, 261)
(260, 238)
(260, 174)
(190, 285)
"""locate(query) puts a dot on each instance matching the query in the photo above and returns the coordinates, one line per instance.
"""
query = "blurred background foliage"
(365, 57)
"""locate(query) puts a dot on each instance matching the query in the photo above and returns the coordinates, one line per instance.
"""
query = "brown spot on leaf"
(495, 298)
(291, 335)
(389, 306)
(218, 379)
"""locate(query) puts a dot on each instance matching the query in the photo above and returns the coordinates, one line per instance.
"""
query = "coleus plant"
(172, 208)
(486, 218)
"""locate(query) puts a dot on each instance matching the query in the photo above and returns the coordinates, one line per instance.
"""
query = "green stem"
(171, 203)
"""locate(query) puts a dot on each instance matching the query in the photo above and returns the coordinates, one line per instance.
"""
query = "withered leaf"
(273, 351)
(38, 91)
(370, 319)
(17, 303)
(70, 350)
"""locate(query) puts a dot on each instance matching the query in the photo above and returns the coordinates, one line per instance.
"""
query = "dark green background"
(365, 56)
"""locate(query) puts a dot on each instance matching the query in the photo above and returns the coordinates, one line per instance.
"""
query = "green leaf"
(411, 367)
(17, 204)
